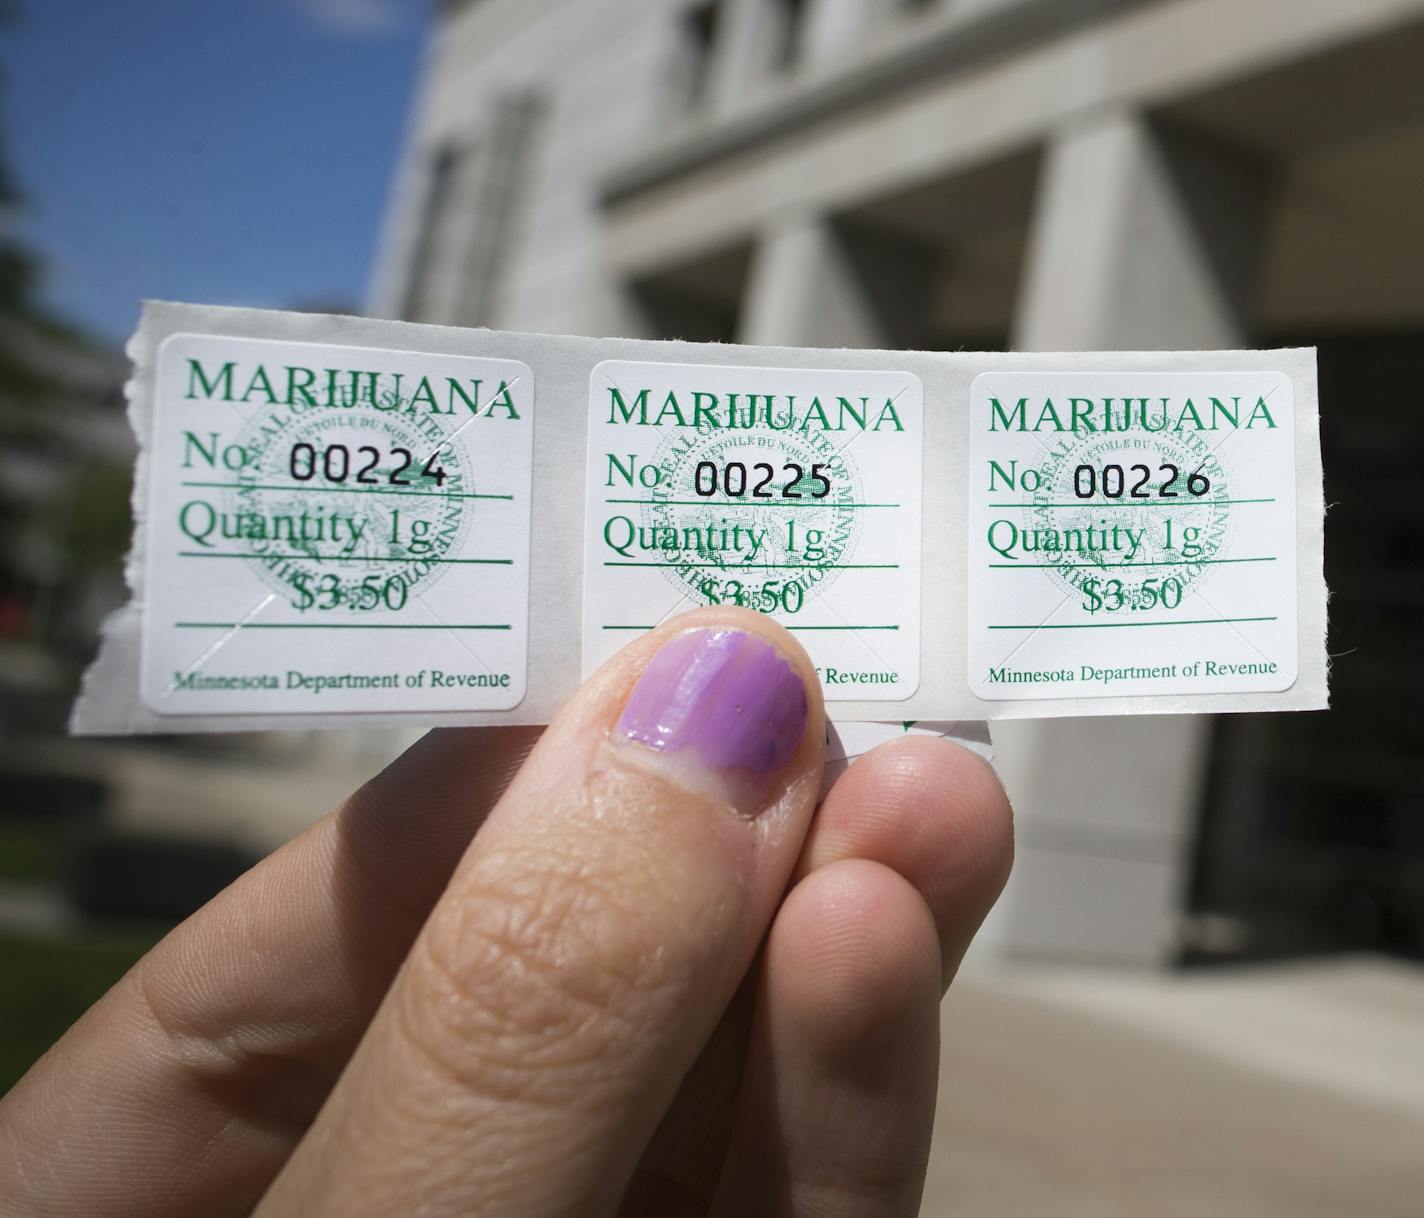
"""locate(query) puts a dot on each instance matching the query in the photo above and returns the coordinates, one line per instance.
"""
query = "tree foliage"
(64, 481)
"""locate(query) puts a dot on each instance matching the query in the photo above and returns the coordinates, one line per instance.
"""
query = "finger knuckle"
(537, 973)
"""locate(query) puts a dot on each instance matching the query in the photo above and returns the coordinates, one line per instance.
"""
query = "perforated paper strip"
(342, 520)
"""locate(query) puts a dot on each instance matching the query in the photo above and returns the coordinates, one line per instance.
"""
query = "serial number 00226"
(1131, 533)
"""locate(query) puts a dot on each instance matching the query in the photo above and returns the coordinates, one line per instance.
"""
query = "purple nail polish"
(730, 697)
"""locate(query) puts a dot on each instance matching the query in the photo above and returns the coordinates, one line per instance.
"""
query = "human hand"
(643, 979)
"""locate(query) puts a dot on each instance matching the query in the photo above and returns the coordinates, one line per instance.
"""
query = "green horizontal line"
(343, 489)
(720, 503)
(768, 566)
(1097, 503)
(788, 628)
(500, 562)
(1113, 566)
(330, 626)
(842, 628)
(1201, 621)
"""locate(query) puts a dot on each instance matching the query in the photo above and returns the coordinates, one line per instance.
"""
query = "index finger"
(588, 943)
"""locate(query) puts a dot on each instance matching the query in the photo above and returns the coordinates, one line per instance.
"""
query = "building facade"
(1034, 174)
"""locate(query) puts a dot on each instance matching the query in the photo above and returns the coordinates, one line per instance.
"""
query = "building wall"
(1043, 173)
(591, 77)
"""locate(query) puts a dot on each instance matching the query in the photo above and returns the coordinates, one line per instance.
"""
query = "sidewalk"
(1257, 1093)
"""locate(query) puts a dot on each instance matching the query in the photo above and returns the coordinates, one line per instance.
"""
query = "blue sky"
(221, 151)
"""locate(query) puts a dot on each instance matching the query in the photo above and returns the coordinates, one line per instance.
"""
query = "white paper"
(1150, 549)
(336, 529)
(795, 492)
(560, 371)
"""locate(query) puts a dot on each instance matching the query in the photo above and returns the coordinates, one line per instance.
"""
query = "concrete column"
(832, 26)
(1141, 239)
(740, 56)
(813, 283)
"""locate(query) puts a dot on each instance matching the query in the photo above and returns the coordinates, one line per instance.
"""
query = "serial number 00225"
(793, 492)
(710, 479)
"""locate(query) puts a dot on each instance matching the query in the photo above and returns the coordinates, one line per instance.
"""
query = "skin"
(566, 981)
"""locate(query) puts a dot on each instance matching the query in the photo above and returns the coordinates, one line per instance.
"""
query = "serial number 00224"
(307, 497)
(333, 466)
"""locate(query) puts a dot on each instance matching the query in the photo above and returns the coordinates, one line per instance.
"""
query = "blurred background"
(1202, 991)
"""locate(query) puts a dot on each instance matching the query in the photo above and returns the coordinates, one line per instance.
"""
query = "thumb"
(588, 942)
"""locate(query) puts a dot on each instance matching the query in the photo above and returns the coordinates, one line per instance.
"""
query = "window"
(789, 21)
(471, 191)
(432, 214)
(699, 40)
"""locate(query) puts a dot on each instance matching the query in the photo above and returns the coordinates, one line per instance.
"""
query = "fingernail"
(728, 699)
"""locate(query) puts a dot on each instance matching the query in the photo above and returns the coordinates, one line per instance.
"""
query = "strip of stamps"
(343, 520)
